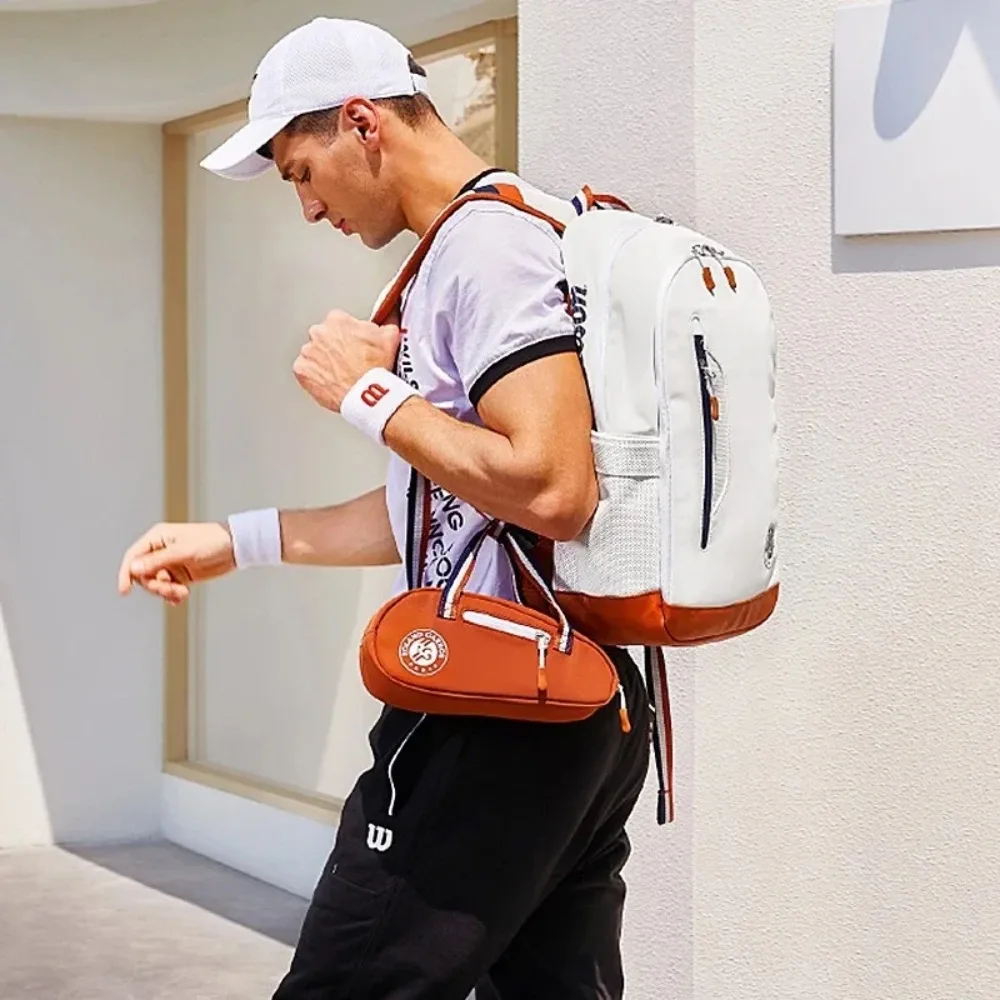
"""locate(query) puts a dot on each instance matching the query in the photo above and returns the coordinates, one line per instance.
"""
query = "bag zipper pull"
(706, 272)
(543, 681)
(623, 711)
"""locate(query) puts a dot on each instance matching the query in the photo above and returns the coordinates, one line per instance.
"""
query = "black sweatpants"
(480, 853)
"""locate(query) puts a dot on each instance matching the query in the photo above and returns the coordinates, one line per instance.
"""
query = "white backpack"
(679, 349)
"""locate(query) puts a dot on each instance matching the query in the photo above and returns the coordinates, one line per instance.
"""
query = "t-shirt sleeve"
(502, 282)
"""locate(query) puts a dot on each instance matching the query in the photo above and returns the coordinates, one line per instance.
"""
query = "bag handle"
(462, 573)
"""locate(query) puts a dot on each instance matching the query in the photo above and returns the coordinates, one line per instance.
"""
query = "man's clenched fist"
(339, 351)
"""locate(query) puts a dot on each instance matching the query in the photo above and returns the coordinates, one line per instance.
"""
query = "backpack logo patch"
(423, 652)
(769, 546)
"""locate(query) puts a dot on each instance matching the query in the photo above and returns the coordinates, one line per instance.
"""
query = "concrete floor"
(143, 922)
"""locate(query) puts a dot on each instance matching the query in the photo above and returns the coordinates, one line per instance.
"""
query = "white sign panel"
(916, 116)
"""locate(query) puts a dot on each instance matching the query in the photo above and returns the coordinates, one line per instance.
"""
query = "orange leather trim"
(463, 668)
(645, 620)
(510, 192)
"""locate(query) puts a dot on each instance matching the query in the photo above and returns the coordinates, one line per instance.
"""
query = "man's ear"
(361, 116)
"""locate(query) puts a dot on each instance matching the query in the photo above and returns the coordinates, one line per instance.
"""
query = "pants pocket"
(340, 931)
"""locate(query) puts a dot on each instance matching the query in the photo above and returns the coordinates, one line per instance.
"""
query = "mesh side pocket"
(618, 555)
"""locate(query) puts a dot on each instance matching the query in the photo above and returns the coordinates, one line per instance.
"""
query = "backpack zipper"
(708, 426)
(541, 638)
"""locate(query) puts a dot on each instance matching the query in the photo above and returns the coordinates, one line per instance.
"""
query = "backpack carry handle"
(585, 200)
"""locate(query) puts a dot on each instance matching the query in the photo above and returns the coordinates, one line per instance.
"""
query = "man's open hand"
(339, 351)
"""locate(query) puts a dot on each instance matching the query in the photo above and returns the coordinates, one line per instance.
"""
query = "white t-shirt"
(487, 299)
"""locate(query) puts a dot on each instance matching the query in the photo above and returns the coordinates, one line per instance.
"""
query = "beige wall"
(163, 60)
(276, 690)
(80, 476)
(80, 210)
(845, 801)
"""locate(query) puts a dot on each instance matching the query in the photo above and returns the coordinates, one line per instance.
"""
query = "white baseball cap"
(320, 65)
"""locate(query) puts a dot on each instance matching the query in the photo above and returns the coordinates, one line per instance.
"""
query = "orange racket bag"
(448, 652)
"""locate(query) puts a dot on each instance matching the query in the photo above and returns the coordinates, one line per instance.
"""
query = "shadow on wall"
(920, 43)
(931, 27)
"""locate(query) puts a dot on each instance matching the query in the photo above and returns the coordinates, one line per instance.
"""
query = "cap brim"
(237, 158)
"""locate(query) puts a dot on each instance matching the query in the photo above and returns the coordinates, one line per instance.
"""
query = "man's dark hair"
(413, 111)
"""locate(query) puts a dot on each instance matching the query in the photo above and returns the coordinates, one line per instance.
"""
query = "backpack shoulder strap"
(507, 194)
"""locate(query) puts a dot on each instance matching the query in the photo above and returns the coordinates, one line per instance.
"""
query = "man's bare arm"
(169, 558)
(531, 465)
(355, 533)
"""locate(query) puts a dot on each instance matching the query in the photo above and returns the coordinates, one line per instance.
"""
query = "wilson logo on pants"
(379, 838)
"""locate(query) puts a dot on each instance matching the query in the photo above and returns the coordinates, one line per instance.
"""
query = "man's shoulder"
(499, 224)
(492, 227)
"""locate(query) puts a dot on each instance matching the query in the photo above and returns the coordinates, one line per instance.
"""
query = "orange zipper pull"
(626, 722)
(543, 681)
(730, 277)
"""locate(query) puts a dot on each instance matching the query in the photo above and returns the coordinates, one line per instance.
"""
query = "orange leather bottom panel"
(645, 620)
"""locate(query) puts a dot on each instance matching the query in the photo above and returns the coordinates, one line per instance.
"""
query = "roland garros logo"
(423, 652)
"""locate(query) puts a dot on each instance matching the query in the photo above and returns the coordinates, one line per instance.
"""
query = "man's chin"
(374, 242)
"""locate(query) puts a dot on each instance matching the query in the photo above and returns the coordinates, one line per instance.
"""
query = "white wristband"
(256, 538)
(373, 399)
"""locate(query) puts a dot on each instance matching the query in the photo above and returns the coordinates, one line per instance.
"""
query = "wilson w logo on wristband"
(373, 400)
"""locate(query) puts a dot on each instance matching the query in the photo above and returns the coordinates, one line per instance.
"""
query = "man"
(499, 844)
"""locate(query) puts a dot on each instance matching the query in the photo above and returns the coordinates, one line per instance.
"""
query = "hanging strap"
(663, 736)
(418, 526)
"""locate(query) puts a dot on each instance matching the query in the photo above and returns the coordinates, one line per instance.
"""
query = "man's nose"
(313, 210)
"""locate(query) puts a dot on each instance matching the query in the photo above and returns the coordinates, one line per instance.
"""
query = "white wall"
(626, 125)
(80, 458)
(845, 797)
(160, 61)
(857, 814)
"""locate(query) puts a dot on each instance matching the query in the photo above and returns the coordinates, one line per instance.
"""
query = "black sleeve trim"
(520, 358)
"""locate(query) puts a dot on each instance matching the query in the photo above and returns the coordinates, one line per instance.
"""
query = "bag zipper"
(708, 426)
(541, 638)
